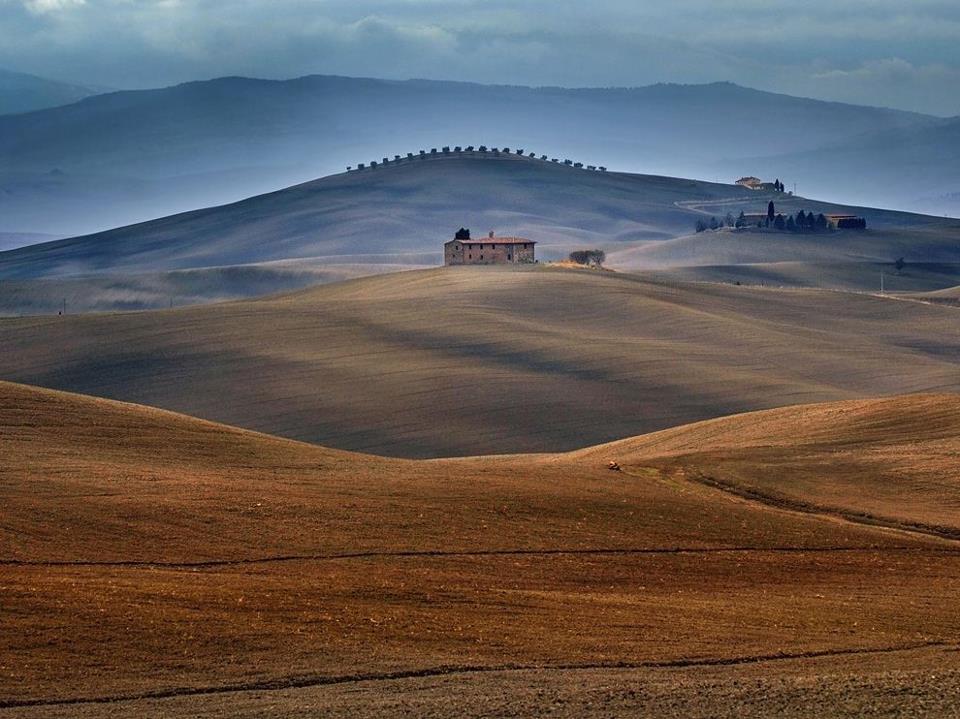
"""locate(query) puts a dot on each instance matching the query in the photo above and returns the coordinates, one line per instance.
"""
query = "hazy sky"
(900, 53)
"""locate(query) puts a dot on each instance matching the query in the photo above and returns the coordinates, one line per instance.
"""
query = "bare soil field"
(154, 564)
(459, 361)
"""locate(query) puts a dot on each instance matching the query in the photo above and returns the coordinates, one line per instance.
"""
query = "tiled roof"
(496, 241)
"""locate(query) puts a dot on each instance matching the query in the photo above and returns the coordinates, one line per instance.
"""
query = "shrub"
(588, 257)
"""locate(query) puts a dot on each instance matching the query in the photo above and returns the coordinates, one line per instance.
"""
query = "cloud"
(877, 51)
(42, 7)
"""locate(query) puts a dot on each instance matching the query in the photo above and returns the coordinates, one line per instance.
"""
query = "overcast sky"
(898, 53)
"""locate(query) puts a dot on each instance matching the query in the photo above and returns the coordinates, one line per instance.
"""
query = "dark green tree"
(771, 211)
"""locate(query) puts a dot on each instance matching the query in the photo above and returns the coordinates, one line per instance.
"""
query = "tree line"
(801, 222)
(483, 149)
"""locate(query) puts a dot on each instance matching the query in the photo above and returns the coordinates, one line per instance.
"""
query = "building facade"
(491, 250)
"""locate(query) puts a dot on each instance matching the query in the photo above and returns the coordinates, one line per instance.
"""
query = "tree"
(801, 219)
(791, 224)
(588, 257)
(771, 211)
(701, 225)
(779, 222)
(821, 223)
(728, 220)
(900, 264)
(714, 224)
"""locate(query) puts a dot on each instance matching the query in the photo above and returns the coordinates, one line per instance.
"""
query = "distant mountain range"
(125, 157)
(20, 92)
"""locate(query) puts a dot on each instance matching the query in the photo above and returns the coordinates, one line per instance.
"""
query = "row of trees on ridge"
(483, 149)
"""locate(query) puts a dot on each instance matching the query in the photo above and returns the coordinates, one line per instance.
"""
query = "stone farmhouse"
(462, 250)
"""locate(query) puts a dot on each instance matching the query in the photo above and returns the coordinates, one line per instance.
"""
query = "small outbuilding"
(491, 250)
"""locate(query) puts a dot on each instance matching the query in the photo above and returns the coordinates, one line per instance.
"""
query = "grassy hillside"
(156, 564)
(492, 360)
(130, 156)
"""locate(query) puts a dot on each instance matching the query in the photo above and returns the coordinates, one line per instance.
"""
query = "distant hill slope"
(20, 93)
(403, 212)
(140, 547)
(406, 209)
(487, 360)
(916, 167)
(129, 156)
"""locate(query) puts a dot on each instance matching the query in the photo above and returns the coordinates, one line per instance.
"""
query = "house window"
(469, 257)
(509, 257)
(481, 257)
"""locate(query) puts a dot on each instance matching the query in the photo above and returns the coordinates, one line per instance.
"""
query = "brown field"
(466, 361)
(795, 562)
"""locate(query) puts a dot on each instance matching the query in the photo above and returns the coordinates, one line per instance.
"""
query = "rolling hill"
(126, 157)
(918, 168)
(485, 360)
(373, 220)
(156, 564)
(22, 93)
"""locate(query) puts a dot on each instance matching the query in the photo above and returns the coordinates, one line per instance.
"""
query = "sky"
(894, 53)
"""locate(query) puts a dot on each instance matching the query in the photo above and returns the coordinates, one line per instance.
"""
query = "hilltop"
(375, 220)
(156, 564)
(485, 360)
(125, 157)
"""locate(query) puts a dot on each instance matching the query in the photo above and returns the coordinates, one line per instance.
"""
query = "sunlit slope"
(485, 360)
(917, 280)
(140, 484)
(892, 461)
(147, 552)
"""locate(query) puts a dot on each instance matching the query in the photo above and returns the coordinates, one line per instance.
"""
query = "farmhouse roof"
(495, 241)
